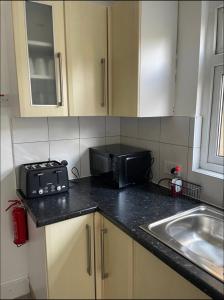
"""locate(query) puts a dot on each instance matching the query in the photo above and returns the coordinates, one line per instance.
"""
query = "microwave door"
(135, 169)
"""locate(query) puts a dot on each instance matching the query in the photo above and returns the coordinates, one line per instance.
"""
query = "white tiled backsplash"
(170, 139)
(37, 139)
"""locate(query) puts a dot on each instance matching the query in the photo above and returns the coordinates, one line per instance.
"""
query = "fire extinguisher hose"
(14, 202)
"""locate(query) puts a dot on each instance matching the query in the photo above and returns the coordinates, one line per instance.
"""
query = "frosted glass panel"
(41, 53)
(220, 30)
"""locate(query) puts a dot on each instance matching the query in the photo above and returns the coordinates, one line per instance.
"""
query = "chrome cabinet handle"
(103, 272)
(104, 82)
(88, 247)
(60, 98)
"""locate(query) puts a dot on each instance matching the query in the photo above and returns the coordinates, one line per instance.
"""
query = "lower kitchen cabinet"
(153, 279)
(61, 259)
(88, 257)
(70, 259)
(114, 274)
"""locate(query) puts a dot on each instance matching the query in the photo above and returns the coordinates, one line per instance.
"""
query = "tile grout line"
(12, 144)
(48, 134)
(188, 151)
(80, 163)
(75, 139)
(160, 129)
(11, 137)
(105, 134)
(138, 120)
(154, 141)
(189, 129)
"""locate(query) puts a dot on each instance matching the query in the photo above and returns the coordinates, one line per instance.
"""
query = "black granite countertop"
(128, 209)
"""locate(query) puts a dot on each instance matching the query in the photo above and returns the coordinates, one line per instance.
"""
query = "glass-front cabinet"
(40, 57)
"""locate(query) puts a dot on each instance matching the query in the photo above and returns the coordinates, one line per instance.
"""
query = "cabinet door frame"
(22, 59)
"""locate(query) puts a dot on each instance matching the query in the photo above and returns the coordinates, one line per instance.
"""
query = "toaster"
(120, 165)
(43, 178)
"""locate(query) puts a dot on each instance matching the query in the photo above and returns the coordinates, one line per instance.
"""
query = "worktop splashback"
(172, 139)
(39, 139)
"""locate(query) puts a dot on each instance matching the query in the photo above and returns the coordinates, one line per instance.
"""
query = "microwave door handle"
(126, 166)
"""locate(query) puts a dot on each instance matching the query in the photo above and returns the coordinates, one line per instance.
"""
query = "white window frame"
(212, 67)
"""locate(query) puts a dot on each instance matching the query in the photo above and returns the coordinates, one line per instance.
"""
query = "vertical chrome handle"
(60, 98)
(103, 272)
(104, 82)
(88, 247)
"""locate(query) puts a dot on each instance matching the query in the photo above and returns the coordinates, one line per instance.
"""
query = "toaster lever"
(40, 174)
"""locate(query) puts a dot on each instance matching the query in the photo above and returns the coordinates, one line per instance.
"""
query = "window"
(212, 56)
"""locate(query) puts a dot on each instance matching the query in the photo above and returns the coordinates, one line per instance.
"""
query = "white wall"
(13, 260)
(14, 280)
(171, 139)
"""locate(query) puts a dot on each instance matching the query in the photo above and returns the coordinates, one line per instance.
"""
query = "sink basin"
(197, 234)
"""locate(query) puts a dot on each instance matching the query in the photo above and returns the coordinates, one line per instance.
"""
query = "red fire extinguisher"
(19, 219)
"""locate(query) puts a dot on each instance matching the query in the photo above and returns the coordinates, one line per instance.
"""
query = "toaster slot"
(40, 177)
(58, 173)
(40, 181)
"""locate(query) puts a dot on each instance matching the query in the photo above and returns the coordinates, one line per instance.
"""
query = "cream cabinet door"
(70, 259)
(86, 45)
(124, 23)
(115, 261)
(155, 280)
(39, 40)
(143, 67)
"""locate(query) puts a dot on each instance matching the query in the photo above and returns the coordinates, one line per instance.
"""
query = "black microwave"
(120, 165)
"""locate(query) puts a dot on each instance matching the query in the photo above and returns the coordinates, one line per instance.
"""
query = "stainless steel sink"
(197, 234)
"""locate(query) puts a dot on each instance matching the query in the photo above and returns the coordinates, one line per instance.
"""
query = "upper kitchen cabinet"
(39, 39)
(87, 64)
(188, 57)
(143, 47)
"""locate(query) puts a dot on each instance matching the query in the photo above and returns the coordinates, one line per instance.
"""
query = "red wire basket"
(187, 189)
